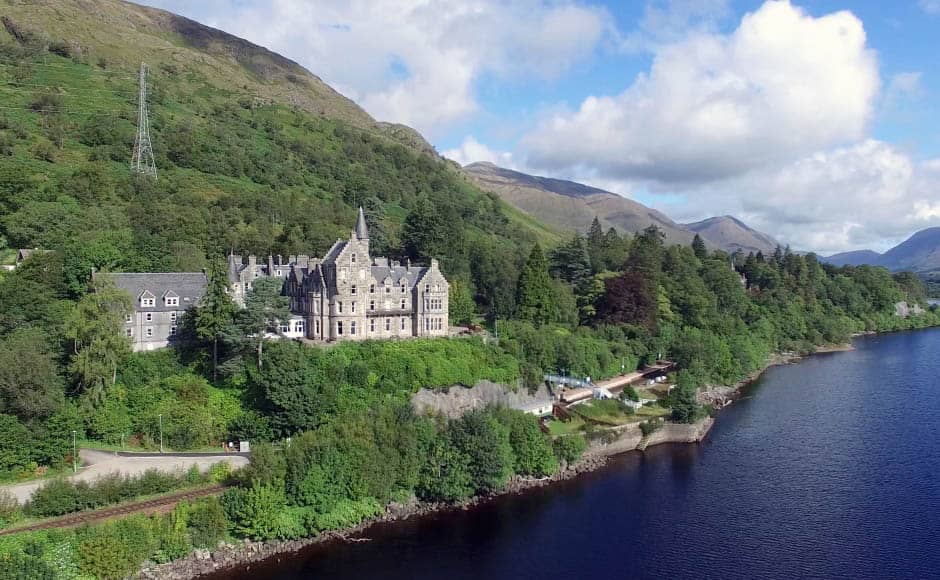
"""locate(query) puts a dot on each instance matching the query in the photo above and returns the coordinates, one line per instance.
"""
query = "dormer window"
(172, 301)
(402, 288)
(148, 301)
(371, 288)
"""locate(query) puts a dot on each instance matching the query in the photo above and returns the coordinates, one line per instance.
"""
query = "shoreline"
(202, 563)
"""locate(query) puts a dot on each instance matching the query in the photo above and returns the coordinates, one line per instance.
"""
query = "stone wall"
(626, 438)
(457, 400)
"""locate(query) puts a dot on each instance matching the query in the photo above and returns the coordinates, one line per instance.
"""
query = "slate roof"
(189, 286)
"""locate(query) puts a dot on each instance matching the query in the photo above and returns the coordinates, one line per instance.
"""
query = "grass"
(558, 428)
(610, 411)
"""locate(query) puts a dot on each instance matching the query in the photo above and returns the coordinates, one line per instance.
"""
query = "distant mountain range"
(919, 253)
(573, 206)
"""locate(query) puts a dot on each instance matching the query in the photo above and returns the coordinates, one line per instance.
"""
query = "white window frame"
(148, 317)
(148, 302)
(128, 319)
(172, 300)
(148, 332)
(173, 330)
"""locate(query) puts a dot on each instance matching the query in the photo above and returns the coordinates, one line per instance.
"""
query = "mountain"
(123, 35)
(854, 258)
(919, 253)
(254, 155)
(570, 205)
(730, 234)
(573, 206)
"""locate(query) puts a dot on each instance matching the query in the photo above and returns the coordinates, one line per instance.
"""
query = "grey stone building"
(159, 302)
(349, 295)
(346, 295)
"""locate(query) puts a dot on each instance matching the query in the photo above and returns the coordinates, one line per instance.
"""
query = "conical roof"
(362, 230)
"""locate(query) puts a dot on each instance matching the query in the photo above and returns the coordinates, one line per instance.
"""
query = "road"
(99, 463)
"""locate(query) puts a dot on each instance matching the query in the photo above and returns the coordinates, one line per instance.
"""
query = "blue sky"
(814, 121)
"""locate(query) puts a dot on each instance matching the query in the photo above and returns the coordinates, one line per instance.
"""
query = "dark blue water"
(829, 468)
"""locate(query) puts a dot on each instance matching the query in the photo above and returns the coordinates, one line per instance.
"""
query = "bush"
(569, 448)
(650, 426)
(9, 509)
(207, 523)
(114, 551)
(255, 512)
(19, 566)
(347, 513)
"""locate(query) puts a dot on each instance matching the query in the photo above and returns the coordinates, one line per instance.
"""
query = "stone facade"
(348, 295)
(159, 302)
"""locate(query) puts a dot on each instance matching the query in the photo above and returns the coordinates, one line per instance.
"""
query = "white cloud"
(904, 86)
(414, 61)
(670, 21)
(471, 151)
(784, 84)
(866, 195)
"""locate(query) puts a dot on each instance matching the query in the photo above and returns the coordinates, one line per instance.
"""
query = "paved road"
(99, 463)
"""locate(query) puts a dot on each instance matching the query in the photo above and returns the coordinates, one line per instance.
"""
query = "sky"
(815, 121)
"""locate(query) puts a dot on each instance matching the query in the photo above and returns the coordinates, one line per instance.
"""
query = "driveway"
(99, 463)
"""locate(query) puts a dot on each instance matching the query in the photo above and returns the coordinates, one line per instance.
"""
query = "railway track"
(126, 509)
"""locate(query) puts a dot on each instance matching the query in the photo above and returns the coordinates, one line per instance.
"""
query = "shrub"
(207, 523)
(569, 448)
(650, 426)
(9, 509)
(172, 534)
(114, 551)
(18, 566)
(347, 513)
(220, 472)
(255, 512)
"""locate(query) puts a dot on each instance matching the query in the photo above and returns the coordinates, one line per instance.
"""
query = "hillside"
(854, 258)
(570, 205)
(730, 234)
(919, 253)
(573, 206)
(254, 153)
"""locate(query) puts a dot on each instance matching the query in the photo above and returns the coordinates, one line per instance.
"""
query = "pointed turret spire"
(362, 230)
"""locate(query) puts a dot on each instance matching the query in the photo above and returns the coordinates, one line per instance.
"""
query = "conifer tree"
(215, 311)
(534, 290)
(698, 246)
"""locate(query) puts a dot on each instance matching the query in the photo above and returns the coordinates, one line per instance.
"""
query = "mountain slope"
(854, 258)
(571, 205)
(731, 234)
(254, 155)
(126, 34)
(920, 252)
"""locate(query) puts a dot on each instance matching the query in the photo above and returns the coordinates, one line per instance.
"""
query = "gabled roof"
(188, 286)
(334, 252)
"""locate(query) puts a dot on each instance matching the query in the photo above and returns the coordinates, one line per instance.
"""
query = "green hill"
(255, 154)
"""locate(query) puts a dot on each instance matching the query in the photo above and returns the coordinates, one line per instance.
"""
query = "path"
(98, 463)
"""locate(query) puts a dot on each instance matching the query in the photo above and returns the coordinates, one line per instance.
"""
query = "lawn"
(557, 428)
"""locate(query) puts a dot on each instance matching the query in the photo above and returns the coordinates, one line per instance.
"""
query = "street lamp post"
(74, 454)
(161, 433)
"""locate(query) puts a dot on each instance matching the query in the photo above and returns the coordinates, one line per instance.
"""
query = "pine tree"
(571, 262)
(424, 234)
(698, 246)
(595, 245)
(534, 290)
(215, 311)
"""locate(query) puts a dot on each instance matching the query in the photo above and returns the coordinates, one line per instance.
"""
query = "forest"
(236, 174)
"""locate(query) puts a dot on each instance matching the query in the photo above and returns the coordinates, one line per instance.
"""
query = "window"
(128, 319)
(427, 287)
(388, 324)
(402, 288)
(149, 317)
(352, 327)
(173, 317)
(427, 324)
(371, 304)
(372, 325)
(299, 326)
(403, 324)
(339, 307)
(339, 328)
(148, 332)
(278, 272)
(388, 289)
(148, 302)
(129, 331)
(352, 258)
(173, 331)
(283, 328)
(371, 288)
(353, 307)
(316, 326)
(352, 289)
(402, 303)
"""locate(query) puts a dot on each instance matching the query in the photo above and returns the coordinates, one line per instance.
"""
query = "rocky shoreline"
(204, 562)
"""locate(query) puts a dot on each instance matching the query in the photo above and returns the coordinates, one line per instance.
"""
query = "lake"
(829, 468)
